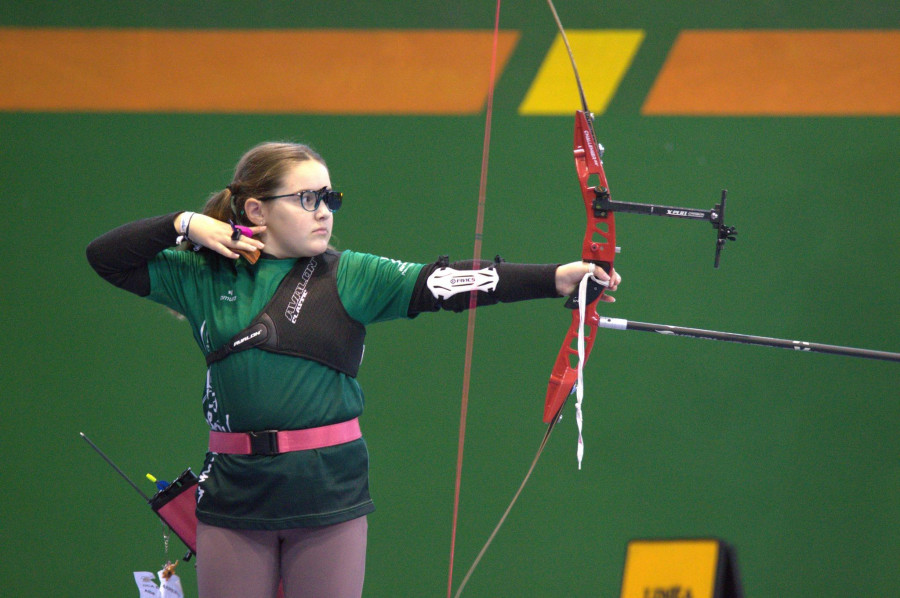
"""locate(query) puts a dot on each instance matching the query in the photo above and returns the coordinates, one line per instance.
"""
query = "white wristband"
(185, 222)
(184, 225)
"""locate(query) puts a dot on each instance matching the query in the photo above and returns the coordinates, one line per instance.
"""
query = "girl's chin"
(318, 246)
(310, 248)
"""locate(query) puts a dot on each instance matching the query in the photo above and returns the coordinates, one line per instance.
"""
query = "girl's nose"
(322, 212)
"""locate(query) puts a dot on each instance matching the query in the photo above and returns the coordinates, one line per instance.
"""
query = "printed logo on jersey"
(292, 312)
(230, 296)
(204, 337)
(402, 267)
(214, 417)
(204, 475)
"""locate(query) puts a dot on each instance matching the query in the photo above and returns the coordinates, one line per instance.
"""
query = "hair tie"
(232, 189)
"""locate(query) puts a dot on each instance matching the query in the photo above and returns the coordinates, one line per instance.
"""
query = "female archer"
(281, 317)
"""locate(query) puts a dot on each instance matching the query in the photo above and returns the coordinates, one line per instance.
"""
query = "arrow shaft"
(114, 466)
(805, 346)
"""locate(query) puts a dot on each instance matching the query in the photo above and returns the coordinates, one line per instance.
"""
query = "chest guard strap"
(304, 318)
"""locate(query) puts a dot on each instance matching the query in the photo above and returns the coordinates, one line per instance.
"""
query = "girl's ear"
(254, 211)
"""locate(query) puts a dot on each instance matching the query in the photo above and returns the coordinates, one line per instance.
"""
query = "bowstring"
(512, 503)
(471, 328)
(473, 298)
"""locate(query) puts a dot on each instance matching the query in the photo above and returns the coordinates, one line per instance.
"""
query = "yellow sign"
(671, 569)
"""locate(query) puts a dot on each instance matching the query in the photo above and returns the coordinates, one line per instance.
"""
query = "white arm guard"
(446, 282)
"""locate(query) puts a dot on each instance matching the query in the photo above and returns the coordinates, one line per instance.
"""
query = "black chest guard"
(305, 318)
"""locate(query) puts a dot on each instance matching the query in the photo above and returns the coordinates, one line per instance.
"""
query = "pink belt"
(273, 442)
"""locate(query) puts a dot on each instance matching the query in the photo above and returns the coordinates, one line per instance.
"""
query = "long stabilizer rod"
(620, 324)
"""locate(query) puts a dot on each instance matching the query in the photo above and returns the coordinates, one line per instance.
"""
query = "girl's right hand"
(216, 235)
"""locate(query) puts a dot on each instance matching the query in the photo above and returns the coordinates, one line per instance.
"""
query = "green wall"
(793, 458)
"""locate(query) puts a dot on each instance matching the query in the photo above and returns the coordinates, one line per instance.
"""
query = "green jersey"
(259, 390)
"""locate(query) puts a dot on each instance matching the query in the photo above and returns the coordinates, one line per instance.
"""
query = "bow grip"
(595, 289)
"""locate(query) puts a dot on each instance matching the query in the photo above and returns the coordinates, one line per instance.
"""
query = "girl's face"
(291, 231)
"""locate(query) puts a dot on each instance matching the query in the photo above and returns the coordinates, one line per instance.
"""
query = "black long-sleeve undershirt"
(121, 256)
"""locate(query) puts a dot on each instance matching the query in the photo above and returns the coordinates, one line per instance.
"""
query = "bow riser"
(599, 247)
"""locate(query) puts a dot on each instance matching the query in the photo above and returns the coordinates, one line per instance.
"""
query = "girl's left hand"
(569, 275)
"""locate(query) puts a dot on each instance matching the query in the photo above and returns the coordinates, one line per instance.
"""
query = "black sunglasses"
(309, 200)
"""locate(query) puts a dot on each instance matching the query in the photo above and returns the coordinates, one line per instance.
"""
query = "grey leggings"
(314, 562)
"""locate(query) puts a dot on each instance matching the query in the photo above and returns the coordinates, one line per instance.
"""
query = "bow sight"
(602, 205)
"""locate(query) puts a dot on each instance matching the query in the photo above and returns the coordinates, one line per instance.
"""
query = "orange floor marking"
(803, 73)
(248, 71)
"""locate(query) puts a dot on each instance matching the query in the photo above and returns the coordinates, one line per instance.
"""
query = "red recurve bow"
(598, 247)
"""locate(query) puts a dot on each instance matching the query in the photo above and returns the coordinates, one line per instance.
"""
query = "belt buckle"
(264, 443)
